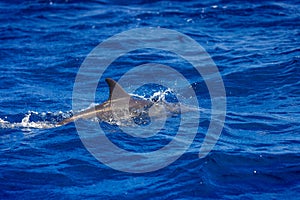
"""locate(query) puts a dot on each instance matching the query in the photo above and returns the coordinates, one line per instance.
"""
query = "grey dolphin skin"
(114, 107)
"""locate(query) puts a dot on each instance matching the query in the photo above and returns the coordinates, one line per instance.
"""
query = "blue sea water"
(256, 47)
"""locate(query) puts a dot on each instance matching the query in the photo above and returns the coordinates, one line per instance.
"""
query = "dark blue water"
(256, 46)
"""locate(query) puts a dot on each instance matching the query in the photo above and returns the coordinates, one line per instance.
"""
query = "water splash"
(46, 120)
(34, 120)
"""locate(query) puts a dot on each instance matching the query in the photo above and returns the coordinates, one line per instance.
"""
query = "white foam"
(26, 123)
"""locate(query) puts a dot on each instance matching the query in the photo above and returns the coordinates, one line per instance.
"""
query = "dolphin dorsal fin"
(119, 92)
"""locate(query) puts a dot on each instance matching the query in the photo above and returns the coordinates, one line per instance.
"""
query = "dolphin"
(120, 105)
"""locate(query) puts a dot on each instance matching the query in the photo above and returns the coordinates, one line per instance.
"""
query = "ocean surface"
(256, 47)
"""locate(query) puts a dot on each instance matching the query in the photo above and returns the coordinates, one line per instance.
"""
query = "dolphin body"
(120, 105)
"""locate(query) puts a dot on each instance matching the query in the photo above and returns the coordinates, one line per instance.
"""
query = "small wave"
(34, 120)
